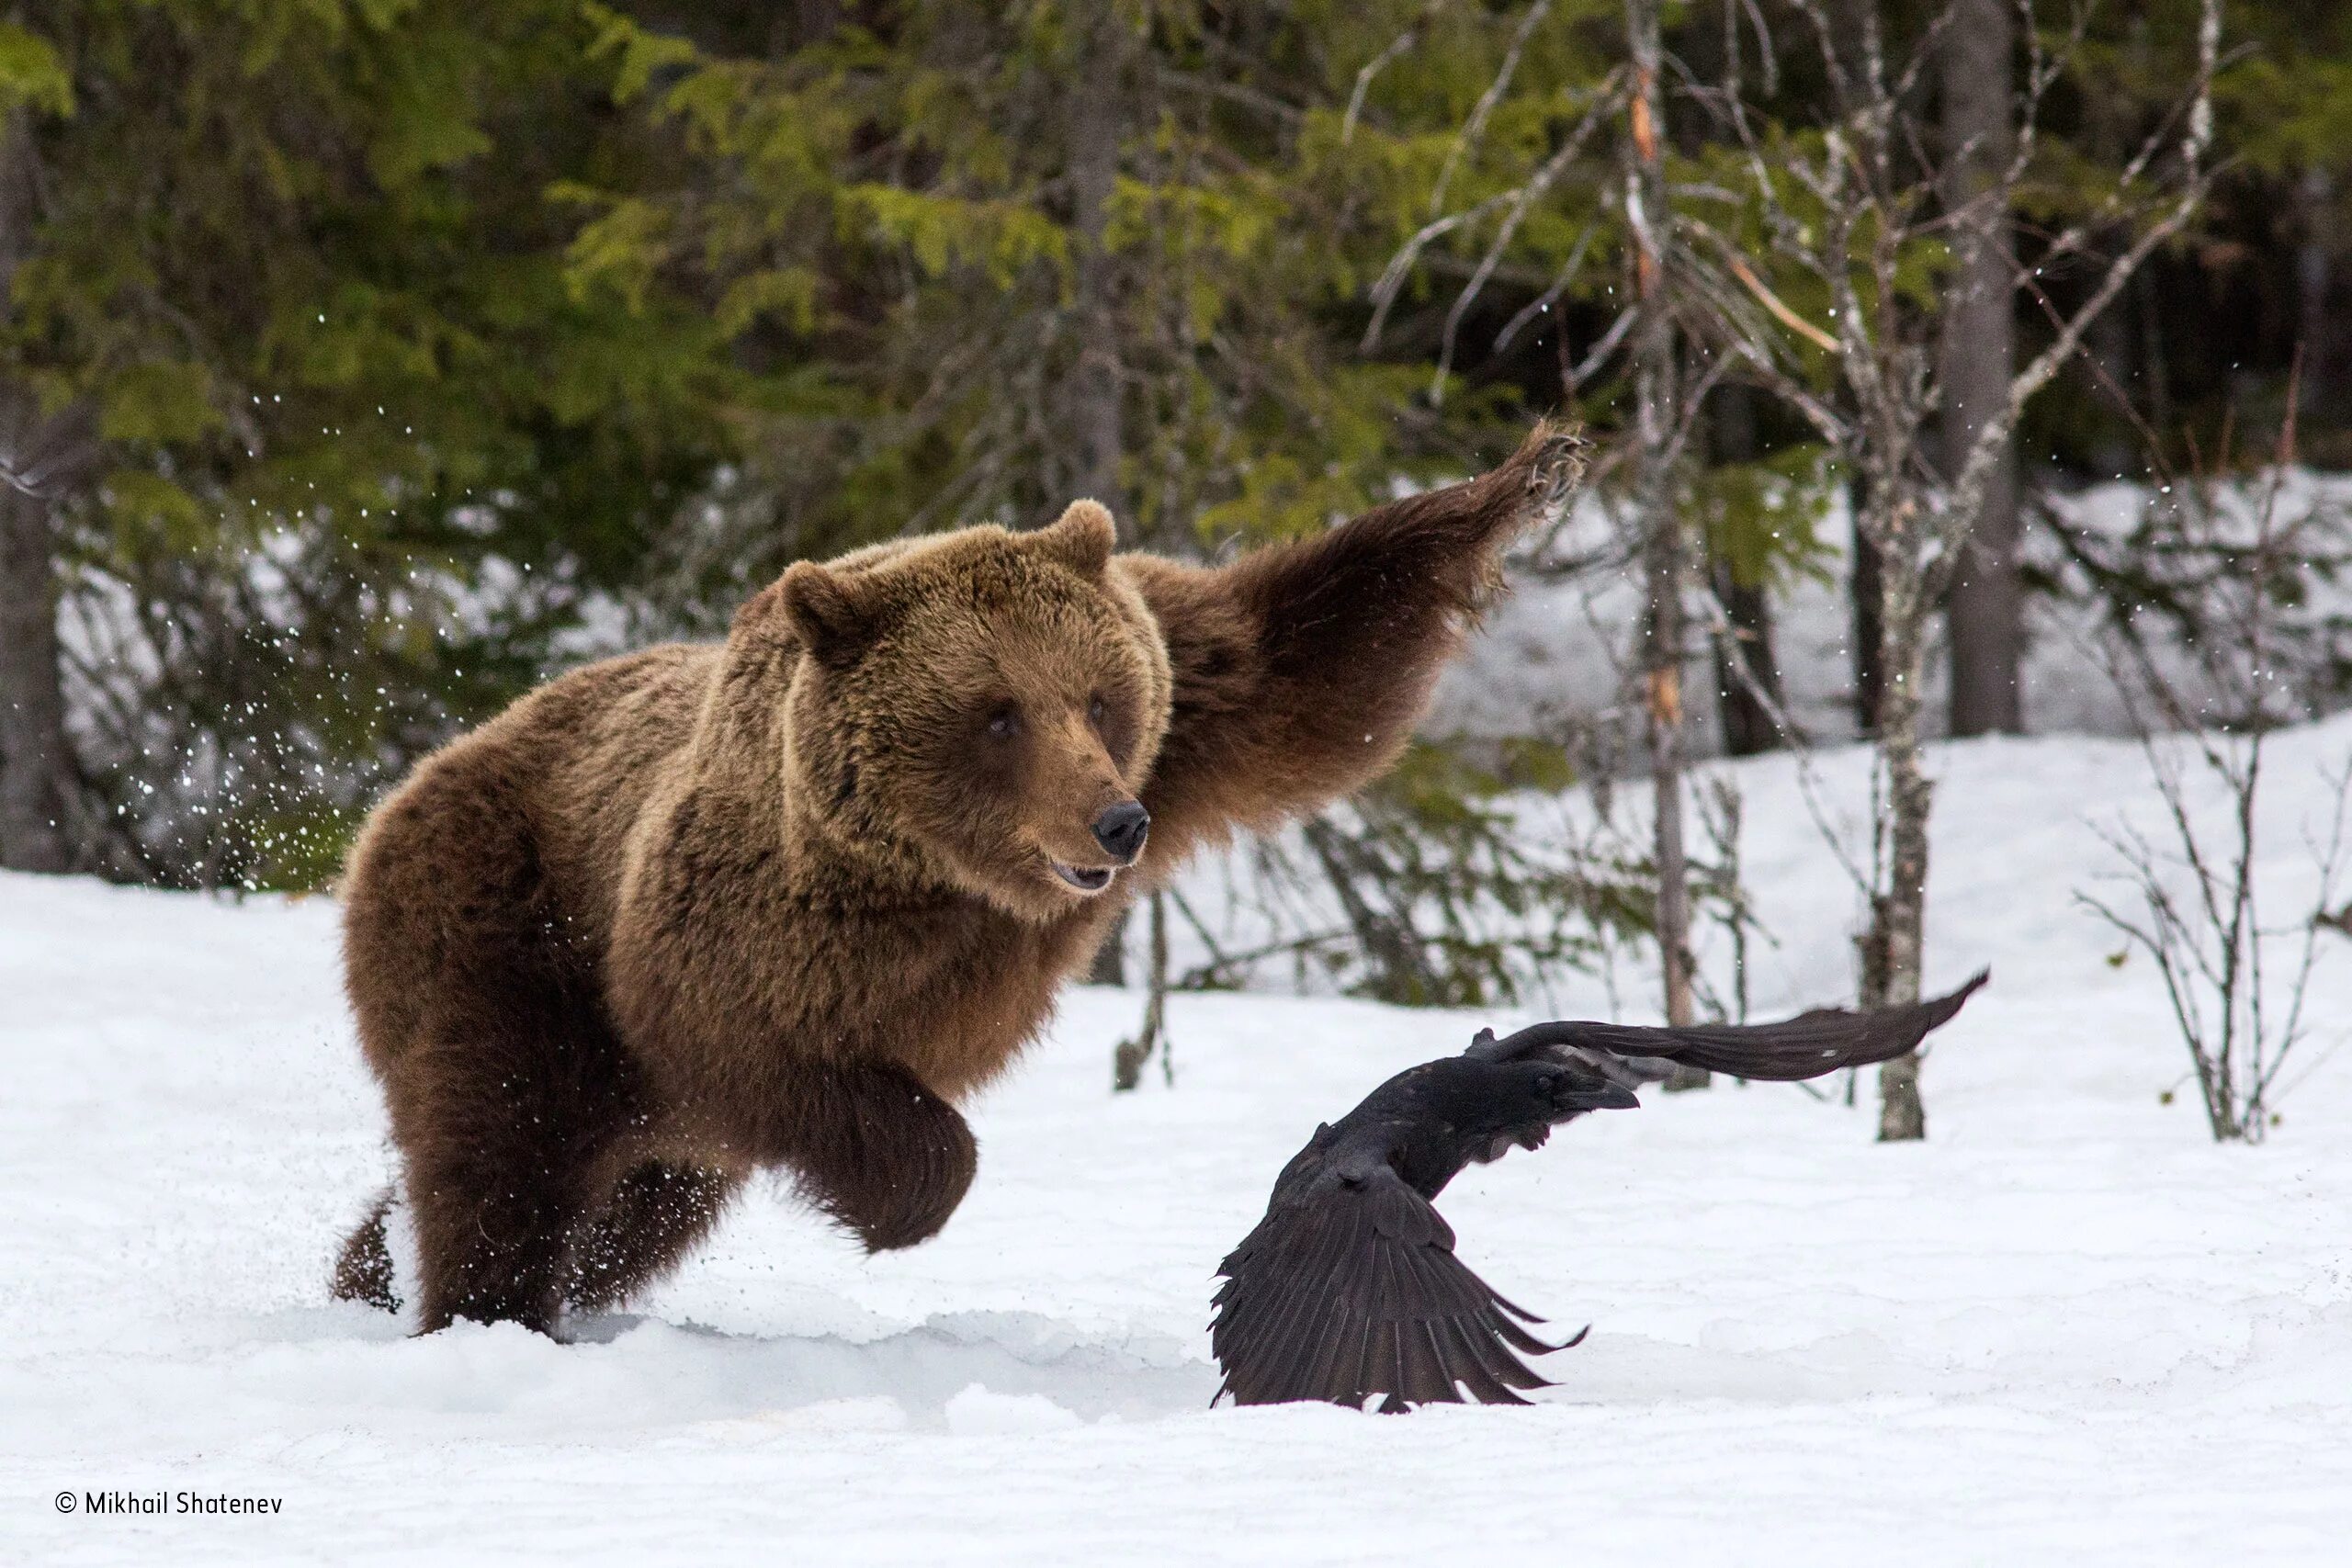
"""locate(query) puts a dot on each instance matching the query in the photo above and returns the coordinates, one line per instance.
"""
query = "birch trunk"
(1666, 552)
(1894, 941)
(1979, 354)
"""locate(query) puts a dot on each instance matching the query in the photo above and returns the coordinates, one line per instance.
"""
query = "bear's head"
(984, 704)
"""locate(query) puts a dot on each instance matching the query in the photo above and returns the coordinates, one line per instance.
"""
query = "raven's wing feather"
(1351, 1289)
(1804, 1046)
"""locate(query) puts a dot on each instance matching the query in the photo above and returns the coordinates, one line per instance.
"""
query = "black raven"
(1349, 1287)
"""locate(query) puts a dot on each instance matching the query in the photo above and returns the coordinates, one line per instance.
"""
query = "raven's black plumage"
(1349, 1287)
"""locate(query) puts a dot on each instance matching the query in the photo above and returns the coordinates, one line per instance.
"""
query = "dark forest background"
(367, 360)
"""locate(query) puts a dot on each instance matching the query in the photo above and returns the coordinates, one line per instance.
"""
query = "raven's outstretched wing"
(1350, 1289)
(1804, 1046)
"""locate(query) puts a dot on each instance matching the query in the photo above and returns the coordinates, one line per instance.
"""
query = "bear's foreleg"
(876, 1150)
(1301, 669)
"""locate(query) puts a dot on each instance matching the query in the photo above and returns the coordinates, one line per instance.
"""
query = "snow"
(2066, 1327)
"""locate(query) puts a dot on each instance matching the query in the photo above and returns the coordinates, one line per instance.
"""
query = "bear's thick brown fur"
(782, 901)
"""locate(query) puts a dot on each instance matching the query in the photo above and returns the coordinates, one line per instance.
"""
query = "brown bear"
(783, 900)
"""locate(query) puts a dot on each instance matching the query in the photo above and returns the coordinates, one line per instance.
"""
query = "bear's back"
(527, 811)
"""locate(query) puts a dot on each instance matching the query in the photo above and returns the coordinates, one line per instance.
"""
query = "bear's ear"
(1080, 539)
(827, 614)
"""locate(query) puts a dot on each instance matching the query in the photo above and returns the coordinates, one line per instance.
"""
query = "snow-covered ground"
(2067, 1328)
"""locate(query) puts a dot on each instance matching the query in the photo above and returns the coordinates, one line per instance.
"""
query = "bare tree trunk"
(2314, 280)
(1400, 973)
(1866, 600)
(1667, 553)
(1110, 965)
(2111, 353)
(1092, 388)
(1895, 943)
(1749, 729)
(1091, 392)
(2110, 359)
(1127, 1062)
(1979, 350)
(1747, 674)
(34, 759)
(33, 755)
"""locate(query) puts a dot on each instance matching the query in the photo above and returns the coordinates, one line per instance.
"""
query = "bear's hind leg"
(503, 1131)
(655, 1215)
(363, 1270)
(491, 1224)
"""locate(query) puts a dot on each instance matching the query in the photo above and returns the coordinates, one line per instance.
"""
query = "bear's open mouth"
(1086, 879)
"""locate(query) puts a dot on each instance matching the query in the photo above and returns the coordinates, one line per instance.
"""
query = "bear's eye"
(1096, 711)
(1003, 724)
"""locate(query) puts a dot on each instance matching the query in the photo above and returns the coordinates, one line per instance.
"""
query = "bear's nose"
(1121, 829)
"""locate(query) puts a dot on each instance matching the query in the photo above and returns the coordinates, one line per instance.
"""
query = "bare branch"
(1551, 294)
(1400, 265)
(1583, 368)
(1379, 62)
(1605, 100)
(1475, 126)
